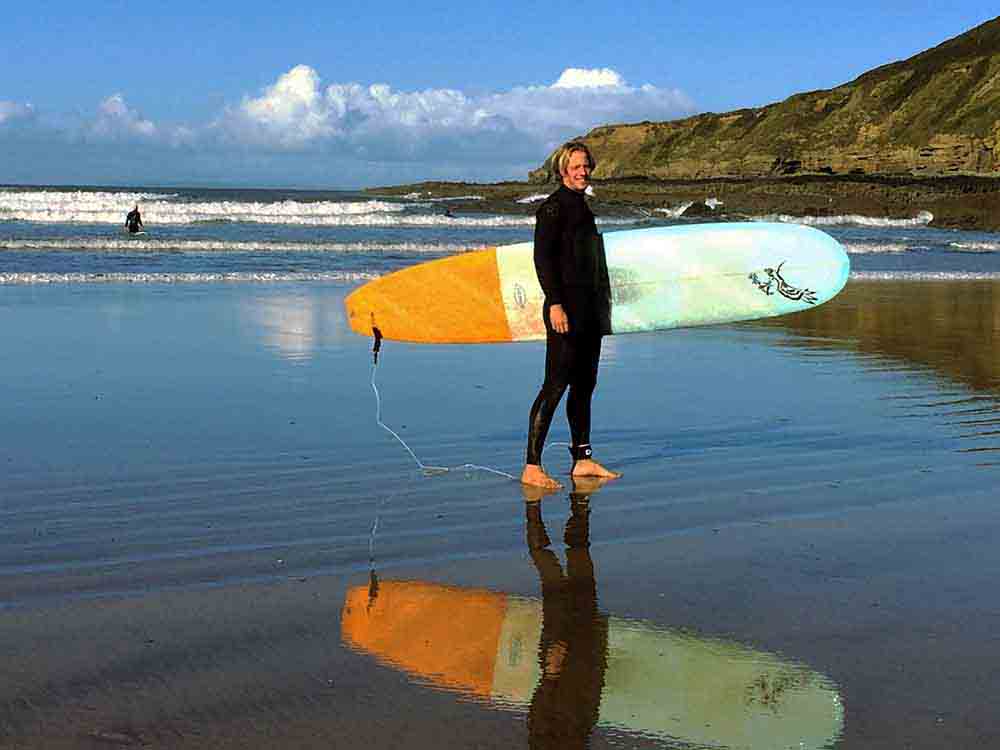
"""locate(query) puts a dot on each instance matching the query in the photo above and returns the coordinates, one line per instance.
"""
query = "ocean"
(202, 515)
(76, 236)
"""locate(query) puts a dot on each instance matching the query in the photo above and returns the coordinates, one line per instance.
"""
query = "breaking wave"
(87, 207)
(926, 275)
(143, 243)
(874, 247)
(183, 278)
(975, 247)
(536, 198)
(922, 219)
(428, 198)
(674, 212)
(265, 277)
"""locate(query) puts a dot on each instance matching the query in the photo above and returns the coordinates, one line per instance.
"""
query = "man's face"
(576, 176)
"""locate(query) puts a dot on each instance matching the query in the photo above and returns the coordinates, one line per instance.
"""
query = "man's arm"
(548, 223)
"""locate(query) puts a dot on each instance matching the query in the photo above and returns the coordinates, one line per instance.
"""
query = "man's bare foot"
(534, 476)
(590, 468)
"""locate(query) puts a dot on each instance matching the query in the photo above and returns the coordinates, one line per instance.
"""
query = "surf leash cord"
(425, 468)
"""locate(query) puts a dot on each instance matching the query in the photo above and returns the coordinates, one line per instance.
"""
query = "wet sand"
(195, 488)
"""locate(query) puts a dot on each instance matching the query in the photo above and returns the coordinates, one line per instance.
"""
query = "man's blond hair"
(560, 159)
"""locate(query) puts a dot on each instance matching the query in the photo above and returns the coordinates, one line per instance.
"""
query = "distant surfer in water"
(573, 274)
(133, 221)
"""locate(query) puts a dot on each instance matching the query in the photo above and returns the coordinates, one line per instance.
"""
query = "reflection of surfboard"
(661, 278)
(672, 685)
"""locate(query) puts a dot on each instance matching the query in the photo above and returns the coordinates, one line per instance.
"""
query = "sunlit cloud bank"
(115, 119)
(298, 112)
(368, 133)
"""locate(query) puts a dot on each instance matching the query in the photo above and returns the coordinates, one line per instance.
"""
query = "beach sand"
(194, 483)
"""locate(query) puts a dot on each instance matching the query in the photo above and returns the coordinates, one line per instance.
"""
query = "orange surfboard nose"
(455, 299)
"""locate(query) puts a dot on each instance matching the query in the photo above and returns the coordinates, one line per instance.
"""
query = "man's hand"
(558, 319)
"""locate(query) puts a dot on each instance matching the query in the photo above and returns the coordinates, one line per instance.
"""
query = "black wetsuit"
(133, 222)
(572, 271)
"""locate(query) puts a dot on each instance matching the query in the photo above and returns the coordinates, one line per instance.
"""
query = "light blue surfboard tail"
(674, 277)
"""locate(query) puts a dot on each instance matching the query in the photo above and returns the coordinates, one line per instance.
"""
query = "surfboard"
(660, 277)
(701, 692)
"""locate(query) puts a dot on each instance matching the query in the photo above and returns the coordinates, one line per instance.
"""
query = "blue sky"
(359, 93)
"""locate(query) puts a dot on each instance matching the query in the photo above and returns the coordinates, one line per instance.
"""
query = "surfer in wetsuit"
(573, 274)
(133, 221)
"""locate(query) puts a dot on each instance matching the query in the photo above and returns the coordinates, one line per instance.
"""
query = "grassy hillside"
(935, 114)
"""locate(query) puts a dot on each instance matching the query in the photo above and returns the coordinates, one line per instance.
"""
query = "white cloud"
(575, 78)
(115, 119)
(291, 111)
(582, 99)
(371, 132)
(296, 113)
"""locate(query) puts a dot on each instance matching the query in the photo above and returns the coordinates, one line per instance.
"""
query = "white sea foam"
(533, 198)
(921, 219)
(466, 221)
(110, 208)
(429, 197)
(675, 212)
(28, 278)
(455, 198)
(975, 247)
(183, 278)
(125, 198)
(195, 213)
(143, 243)
(926, 275)
(82, 207)
(875, 247)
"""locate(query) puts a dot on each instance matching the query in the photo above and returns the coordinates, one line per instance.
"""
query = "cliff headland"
(921, 134)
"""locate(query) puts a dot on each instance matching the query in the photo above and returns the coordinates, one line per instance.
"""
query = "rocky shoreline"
(958, 202)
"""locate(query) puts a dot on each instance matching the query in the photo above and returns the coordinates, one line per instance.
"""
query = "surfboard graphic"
(672, 685)
(661, 278)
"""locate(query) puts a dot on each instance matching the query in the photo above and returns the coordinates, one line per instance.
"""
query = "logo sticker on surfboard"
(770, 281)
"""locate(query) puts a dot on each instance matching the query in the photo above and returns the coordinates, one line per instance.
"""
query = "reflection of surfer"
(573, 648)
(133, 221)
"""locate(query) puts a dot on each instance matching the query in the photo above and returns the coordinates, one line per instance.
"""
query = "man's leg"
(559, 355)
(578, 408)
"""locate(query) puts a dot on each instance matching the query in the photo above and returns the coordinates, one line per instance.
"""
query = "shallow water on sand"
(817, 490)
(225, 428)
